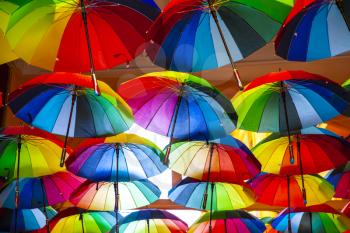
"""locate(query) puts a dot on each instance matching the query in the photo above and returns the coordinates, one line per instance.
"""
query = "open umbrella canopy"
(340, 179)
(152, 220)
(224, 196)
(28, 152)
(280, 190)
(317, 153)
(96, 159)
(52, 34)
(41, 191)
(319, 30)
(6, 8)
(102, 196)
(179, 105)
(51, 101)
(27, 219)
(221, 160)
(236, 221)
(87, 222)
(195, 35)
(311, 222)
(289, 100)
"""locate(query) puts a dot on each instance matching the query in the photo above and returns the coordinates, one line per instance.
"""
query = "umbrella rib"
(193, 157)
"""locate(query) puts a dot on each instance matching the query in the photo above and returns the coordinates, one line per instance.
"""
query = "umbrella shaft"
(44, 202)
(301, 167)
(92, 66)
(63, 156)
(19, 146)
(235, 70)
(211, 207)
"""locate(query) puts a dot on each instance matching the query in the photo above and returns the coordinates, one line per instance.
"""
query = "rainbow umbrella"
(65, 104)
(319, 30)
(236, 221)
(340, 179)
(180, 106)
(86, 222)
(27, 219)
(121, 158)
(221, 160)
(311, 222)
(80, 35)
(271, 189)
(192, 36)
(221, 196)
(7, 54)
(114, 196)
(152, 220)
(315, 153)
(346, 85)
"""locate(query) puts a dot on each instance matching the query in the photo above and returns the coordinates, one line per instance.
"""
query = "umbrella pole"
(172, 129)
(44, 202)
(289, 219)
(19, 146)
(82, 222)
(211, 207)
(116, 188)
(310, 216)
(235, 70)
(92, 66)
(64, 150)
(340, 4)
(211, 148)
(290, 146)
(301, 168)
(147, 221)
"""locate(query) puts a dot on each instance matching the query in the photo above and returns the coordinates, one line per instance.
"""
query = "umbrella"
(340, 179)
(64, 104)
(222, 160)
(180, 106)
(80, 35)
(152, 220)
(221, 196)
(86, 222)
(319, 30)
(271, 189)
(114, 196)
(192, 36)
(124, 157)
(27, 219)
(7, 54)
(38, 192)
(315, 153)
(311, 222)
(28, 152)
(236, 221)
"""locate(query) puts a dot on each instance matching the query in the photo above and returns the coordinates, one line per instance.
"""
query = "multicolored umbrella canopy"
(316, 153)
(289, 101)
(28, 152)
(179, 105)
(221, 160)
(152, 220)
(192, 36)
(121, 158)
(65, 104)
(7, 54)
(311, 222)
(236, 221)
(286, 191)
(102, 195)
(87, 222)
(40, 192)
(320, 30)
(80, 35)
(27, 219)
(340, 179)
(220, 196)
